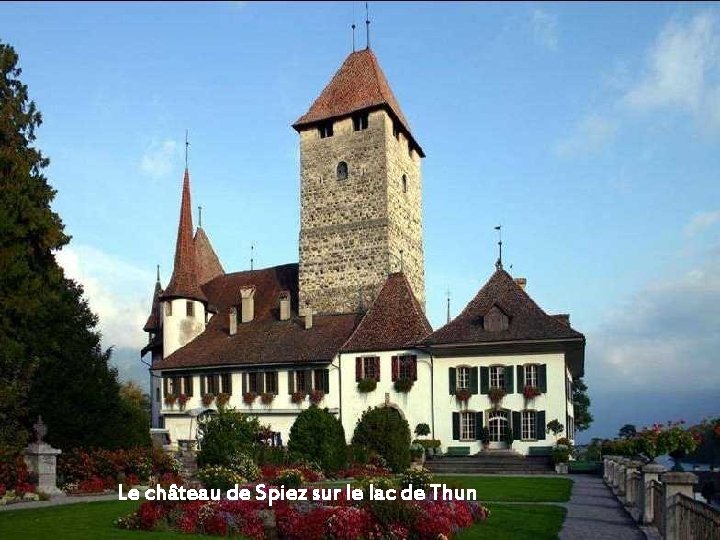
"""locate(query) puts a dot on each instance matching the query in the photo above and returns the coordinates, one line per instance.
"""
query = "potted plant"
(561, 456)
(267, 398)
(316, 396)
(208, 399)
(496, 395)
(531, 392)
(417, 453)
(248, 398)
(485, 438)
(463, 395)
(297, 397)
(422, 430)
(555, 427)
(182, 400)
(403, 385)
(366, 385)
(170, 400)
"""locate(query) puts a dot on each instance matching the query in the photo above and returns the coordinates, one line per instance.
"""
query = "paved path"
(58, 501)
(595, 513)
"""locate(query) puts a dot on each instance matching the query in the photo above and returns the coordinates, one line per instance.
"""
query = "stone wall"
(353, 230)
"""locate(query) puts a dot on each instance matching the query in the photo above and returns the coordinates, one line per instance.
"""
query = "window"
(531, 372)
(495, 320)
(255, 382)
(188, 385)
(190, 309)
(463, 378)
(498, 425)
(212, 384)
(529, 426)
(342, 171)
(303, 381)
(396, 131)
(271, 382)
(157, 394)
(404, 183)
(325, 130)
(408, 367)
(570, 423)
(360, 121)
(467, 426)
(410, 150)
(369, 371)
(168, 308)
(321, 380)
(367, 367)
(497, 377)
(227, 383)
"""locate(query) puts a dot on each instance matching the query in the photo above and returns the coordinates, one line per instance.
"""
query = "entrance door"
(498, 426)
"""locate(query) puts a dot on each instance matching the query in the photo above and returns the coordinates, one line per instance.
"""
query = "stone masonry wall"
(352, 230)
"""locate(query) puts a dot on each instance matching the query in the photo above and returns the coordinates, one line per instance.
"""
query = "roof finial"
(158, 273)
(252, 253)
(187, 143)
(448, 304)
(199, 216)
(367, 26)
(498, 264)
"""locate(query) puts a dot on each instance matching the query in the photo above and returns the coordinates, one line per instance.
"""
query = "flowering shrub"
(364, 470)
(309, 473)
(366, 385)
(217, 477)
(417, 451)
(530, 392)
(496, 395)
(316, 396)
(419, 478)
(403, 385)
(248, 398)
(182, 400)
(170, 399)
(267, 398)
(93, 485)
(298, 397)
(208, 399)
(222, 399)
(463, 395)
(243, 465)
(290, 478)
(13, 471)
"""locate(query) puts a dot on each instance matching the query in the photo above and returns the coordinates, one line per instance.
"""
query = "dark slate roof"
(153, 321)
(184, 281)
(359, 84)
(266, 339)
(528, 322)
(207, 261)
(395, 320)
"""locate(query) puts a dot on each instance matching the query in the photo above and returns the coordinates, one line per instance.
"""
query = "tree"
(226, 434)
(581, 403)
(628, 431)
(51, 361)
(422, 430)
(383, 430)
(318, 436)
(555, 427)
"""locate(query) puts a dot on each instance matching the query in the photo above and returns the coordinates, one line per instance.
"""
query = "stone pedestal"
(631, 469)
(676, 483)
(41, 459)
(650, 473)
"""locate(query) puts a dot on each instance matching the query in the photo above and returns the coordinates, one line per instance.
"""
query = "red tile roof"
(359, 84)
(527, 321)
(266, 339)
(184, 281)
(395, 320)
(208, 263)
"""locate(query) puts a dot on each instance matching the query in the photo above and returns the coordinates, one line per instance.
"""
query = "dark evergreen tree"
(581, 403)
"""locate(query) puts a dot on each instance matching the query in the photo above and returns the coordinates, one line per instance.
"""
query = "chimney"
(521, 281)
(308, 318)
(247, 307)
(284, 305)
(233, 321)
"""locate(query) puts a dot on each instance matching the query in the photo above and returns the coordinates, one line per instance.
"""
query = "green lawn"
(518, 522)
(80, 521)
(512, 488)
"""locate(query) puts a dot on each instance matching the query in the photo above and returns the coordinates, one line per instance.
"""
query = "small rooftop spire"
(367, 26)
(187, 144)
(448, 304)
(158, 273)
(498, 264)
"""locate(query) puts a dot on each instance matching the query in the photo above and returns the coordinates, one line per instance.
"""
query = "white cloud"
(159, 158)
(681, 72)
(589, 135)
(118, 292)
(545, 29)
(702, 221)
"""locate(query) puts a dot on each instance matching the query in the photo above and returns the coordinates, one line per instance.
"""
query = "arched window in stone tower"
(342, 171)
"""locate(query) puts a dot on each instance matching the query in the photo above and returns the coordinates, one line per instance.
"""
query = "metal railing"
(657, 495)
(695, 520)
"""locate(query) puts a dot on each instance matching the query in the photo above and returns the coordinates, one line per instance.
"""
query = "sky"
(590, 131)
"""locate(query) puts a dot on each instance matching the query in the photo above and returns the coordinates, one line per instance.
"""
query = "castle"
(346, 327)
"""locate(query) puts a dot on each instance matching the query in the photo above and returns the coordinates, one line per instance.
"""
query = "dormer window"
(495, 320)
(190, 309)
(360, 121)
(325, 130)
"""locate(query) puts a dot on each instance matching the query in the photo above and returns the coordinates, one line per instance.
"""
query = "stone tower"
(360, 192)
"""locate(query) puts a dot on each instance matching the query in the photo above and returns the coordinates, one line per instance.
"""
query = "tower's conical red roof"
(184, 281)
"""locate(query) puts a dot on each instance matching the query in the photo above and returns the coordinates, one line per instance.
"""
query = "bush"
(245, 467)
(217, 477)
(318, 436)
(383, 430)
(416, 450)
(428, 443)
(290, 478)
(561, 454)
(226, 434)
(419, 478)
(422, 430)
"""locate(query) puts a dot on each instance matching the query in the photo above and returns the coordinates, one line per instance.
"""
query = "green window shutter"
(202, 385)
(542, 377)
(509, 380)
(453, 380)
(326, 381)
(516, 425)
(291, 382)
(474, 380)
(484, 380)
(456, 426)
(244, 378)
(540, 425)
(227, 384)
(478, 425)
(520, 379)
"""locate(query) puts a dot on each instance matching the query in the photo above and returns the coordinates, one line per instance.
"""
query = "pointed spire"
(152, 323)
(184, 280)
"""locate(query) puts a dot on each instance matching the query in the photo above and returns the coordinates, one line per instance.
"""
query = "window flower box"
(496, 396)
(316, 396)
(170, 400)
(531, 392)
(298, 397)
(222, 399)
(403, 385)
(463, 395)
(248, 398)
(182, 401)
(267, 398)
(208, 399)
(366, 385)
